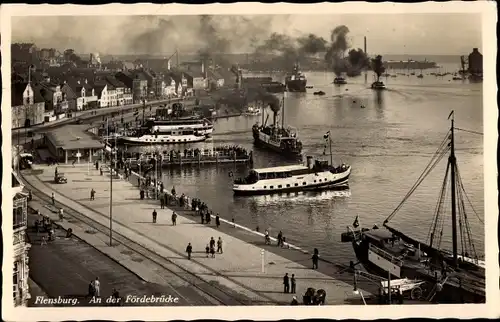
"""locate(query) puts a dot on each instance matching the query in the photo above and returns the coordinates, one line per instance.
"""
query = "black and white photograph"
(183, 156)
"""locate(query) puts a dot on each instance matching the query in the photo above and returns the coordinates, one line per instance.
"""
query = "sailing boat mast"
(452, 160)
(283, 113)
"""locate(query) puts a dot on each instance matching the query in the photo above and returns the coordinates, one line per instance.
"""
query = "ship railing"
(386, 255)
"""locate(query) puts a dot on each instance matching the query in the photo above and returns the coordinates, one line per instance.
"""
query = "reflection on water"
(306, 198)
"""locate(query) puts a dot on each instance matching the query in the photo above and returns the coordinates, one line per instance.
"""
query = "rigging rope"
(469, 131)
(461, 186)
(437, 211)
(444, 218)
(438, 155)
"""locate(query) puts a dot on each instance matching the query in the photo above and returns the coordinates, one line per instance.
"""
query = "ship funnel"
(310, 162)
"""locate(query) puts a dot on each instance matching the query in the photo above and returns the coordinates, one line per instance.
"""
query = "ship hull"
(449, 294)
(295, 184)
(162, 139)
(296, 85)
(275, 147)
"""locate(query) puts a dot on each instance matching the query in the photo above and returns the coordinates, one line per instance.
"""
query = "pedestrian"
(162, 202)
(73, 163)
(315, 258)
(212, 242)
(173, 191)
(97, 287)
(292, 280)
(100, 170)
(116, 296)
(97, 165)
(280, 236)
(154, 216)
(91, 289)
(207, 250)
(217, 221)
(61, 214)
(53, 197)
(30, 195)
(202, 218)
(174, 219)
(141, 194)
(286, 283)
(92, 194)
(219, 245)
(207, 218)
(212, 251)
(189, 250)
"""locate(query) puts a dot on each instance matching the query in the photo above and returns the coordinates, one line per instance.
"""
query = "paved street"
(239, 268)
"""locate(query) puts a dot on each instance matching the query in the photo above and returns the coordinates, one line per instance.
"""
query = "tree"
(378, 66)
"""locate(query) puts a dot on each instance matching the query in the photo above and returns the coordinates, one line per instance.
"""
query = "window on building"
(19, 219)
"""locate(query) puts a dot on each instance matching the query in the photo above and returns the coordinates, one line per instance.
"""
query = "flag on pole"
(327, 135)
(355, 224)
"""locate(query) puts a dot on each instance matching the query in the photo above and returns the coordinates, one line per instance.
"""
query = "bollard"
(262, 252)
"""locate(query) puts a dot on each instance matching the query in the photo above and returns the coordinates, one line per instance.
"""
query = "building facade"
(20, 276)
(139, 89)
(27, 107)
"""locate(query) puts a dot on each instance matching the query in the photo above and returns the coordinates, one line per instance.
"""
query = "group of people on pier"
(192, 153)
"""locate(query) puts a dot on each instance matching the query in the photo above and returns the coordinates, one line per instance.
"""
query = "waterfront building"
(72, 142)
(28, 106)
(21, 247)
(475, 62)
(169, 90)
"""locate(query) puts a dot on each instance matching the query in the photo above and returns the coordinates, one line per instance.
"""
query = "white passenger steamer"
(316, 175)
(178, 131)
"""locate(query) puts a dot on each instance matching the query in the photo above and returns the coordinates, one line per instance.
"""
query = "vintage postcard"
(182, 161)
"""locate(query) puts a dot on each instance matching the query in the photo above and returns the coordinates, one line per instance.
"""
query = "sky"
(392, 34)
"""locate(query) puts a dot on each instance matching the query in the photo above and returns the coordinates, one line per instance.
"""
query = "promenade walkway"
(240, 266)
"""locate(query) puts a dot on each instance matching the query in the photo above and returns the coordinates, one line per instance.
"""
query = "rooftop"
(73, 137)
(285, 168)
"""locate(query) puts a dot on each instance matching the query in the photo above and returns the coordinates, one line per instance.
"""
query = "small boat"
(339, 81)
(420, 76)
(319, 93)
(378, 85)
(253, 111)
(457, 78)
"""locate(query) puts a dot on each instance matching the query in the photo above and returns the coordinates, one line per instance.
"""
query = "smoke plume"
(271, 100)
(356, 59)
(153, 35)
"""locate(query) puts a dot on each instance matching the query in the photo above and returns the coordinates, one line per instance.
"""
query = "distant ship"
(279, 139)
(339, 80)
(296, 81)
(409, 64)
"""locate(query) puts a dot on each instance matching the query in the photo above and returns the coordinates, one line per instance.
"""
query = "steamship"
(169, 132)
(296, 81)
(275, 138)
(315, 176)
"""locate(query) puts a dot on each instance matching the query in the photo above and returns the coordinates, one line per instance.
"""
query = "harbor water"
(387, 137)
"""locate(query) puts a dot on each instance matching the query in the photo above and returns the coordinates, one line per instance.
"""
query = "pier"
(188, 157)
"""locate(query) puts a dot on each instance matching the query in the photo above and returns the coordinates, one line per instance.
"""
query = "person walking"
(53, 197)
(154, 216)
(92, 194)
(219, 245)
(162, 201)
(212, 242)
(174, 219)
(315, 258)
(207, 250)
(293, 282)
(61, 214)
(286, 284)
(280, 236)
(189, 250)
(91, 289)
(212, 252)
(97, 287)
(202, 217)
(217, 221)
